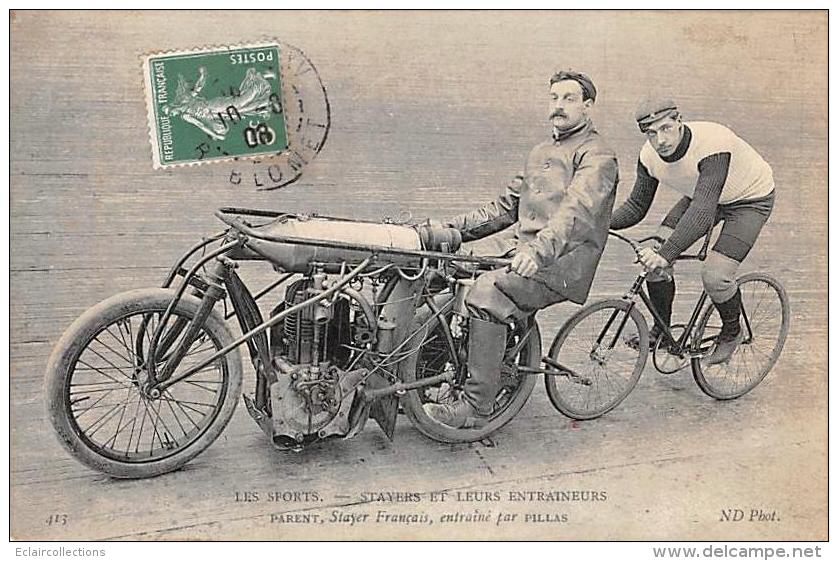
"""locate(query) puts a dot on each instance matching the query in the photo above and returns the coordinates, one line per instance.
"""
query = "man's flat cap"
(652, 109)
(583, 80)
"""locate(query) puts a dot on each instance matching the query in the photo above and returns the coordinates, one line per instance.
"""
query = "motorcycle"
(372, 322)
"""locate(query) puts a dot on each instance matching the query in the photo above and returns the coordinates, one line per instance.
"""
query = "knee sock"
(729, 312)
(662, 294)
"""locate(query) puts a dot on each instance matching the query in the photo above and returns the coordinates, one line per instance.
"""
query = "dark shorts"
(743, 221)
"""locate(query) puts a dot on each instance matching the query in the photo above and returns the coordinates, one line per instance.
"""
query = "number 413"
(57, 520)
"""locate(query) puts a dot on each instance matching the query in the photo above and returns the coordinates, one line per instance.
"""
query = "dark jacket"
(560, 209)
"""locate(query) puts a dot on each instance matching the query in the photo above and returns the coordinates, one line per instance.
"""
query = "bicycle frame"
(679, 346)
(683, 344)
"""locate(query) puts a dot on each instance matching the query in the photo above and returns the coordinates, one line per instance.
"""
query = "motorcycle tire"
(529, 355)
(72, 361)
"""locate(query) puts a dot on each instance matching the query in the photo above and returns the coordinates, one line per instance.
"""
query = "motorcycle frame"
(221, 281)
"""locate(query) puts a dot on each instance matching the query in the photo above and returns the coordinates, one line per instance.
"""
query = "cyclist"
(722, 178)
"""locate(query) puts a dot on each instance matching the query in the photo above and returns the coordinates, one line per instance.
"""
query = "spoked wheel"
(95, 396)
(599, 353)
(436, 356)
(765, 322)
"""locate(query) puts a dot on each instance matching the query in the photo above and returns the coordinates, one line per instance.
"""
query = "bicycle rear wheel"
(601, 351)
(765, 320)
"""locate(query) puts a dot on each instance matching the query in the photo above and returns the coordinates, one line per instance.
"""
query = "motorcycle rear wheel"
(93, 384)
(434, 357)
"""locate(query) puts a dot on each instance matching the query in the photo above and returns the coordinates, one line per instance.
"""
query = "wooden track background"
(432, 112)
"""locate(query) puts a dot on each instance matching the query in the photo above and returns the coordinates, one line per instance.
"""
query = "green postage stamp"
(215, 104)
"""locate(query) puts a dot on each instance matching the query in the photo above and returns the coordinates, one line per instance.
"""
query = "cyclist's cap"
(653, 109)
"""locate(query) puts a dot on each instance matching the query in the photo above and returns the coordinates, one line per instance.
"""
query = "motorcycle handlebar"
(239, 225)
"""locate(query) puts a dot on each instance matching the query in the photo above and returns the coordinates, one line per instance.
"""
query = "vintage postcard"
(426, 275)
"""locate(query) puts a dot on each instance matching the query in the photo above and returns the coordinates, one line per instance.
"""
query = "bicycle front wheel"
(600, 353)
(765, 320)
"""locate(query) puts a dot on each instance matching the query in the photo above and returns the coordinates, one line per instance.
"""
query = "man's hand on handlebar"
(523, 264)
(652, 243)
(646, 250)
(651, 259)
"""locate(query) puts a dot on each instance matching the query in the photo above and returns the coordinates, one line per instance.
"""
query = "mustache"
(558, 113)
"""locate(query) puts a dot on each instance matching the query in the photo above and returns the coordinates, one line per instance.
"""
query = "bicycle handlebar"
(635, 245)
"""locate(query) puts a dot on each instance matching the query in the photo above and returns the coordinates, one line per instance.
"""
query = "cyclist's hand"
(654, 244)
(523, 264)
(651, 259)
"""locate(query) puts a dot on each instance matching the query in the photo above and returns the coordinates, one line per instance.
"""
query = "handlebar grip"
(498, 262)
(488, 262)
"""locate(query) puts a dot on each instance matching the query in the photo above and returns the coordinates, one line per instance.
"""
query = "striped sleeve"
(676, 212)
(699, 216)
(634, 209)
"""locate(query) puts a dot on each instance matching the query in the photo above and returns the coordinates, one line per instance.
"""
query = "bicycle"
(601, 350)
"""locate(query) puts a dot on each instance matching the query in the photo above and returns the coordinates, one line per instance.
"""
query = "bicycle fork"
(636, 287)
(595, 352)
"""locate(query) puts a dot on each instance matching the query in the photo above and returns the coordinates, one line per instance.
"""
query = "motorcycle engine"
(311, 349)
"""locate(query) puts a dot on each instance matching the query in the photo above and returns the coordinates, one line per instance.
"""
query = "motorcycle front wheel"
(94, 379)
(435, 357)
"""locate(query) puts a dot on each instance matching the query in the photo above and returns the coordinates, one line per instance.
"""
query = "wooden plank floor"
(432, 112)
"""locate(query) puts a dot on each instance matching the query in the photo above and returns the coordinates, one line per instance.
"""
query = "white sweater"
(749, 176)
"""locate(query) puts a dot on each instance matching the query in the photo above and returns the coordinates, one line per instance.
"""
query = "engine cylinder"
(298, 327)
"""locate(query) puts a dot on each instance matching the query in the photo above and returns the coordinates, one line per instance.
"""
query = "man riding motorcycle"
(553, 221)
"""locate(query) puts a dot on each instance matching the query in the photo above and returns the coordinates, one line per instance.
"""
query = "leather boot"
(486, 347)
(731, 334)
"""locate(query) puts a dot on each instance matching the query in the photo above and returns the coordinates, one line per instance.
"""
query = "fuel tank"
(297, 257)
